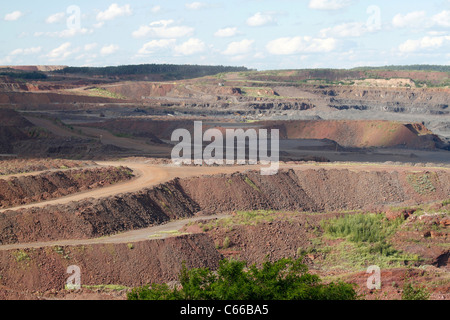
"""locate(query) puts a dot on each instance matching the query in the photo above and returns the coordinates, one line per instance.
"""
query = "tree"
(285, 279)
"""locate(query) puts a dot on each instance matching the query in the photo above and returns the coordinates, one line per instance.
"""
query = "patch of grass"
(106, 287)
(172, 233)
(226, 243)
(366, 241)
(371, 228)
(421, 183)
(107, 94)
(21, 256)
(356, 257)
(414, 292)
(251, 184)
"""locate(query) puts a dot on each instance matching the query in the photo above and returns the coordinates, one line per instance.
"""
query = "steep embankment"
(46, 100)
(291, 190)
(13, 128)
(28, 189)
(360, 134)
(144, 262)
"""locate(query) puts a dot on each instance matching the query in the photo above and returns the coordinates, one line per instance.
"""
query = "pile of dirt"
(137, 264)
(17, 191)
(284, 237)
(140, 90)
(393, 280)
(93, 218)
(426, 236)
(72, 148)
(359, 134)
(46, 99)
(13, 128)
(148, 128)
(15, 166)
(302, 190)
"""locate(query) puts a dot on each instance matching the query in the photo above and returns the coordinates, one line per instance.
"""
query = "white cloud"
(90, 46)
(6, 60)
(442, 19)
(100, 24)
(154, 45)
(196, 5)
(329, 4)
(156, 9)
(345, 30)
(294, 45)
(114, 11)
(67, 33)
(106, 50)
(190, 47)
(54, 18)
(239, 47)
(426, 43)
(226, 32)
(260, 19)
(163, 29)
(62, 52)
(26, 51)
(13, 16)
(412, 19)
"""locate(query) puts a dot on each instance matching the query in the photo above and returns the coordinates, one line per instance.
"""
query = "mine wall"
(151, 261)
(291, 190)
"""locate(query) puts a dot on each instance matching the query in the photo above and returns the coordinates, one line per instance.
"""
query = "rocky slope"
(310, 190)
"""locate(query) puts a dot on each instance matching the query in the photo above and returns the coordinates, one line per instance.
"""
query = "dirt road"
(157, 232)
(148, 175)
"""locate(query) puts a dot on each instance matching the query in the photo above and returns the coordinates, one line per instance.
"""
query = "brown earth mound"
(13, 128)
(8, 167)
(33, 99)
(307, 190)
(152, 261)
(360, 134)
(28, 189)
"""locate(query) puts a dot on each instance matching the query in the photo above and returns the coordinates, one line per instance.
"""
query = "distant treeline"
(415, 67)
(25, 75)
(168, 71)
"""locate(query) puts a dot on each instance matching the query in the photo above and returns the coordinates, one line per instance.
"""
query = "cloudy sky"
(259, 34)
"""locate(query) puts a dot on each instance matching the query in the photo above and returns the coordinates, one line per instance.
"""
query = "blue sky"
(282, 34)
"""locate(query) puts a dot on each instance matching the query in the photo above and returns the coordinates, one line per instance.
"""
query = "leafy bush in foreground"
(286, 279)
(412, 292)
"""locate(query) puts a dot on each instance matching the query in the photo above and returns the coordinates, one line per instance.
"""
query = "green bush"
(359, 228)
(412, 292)
(286, 279)
(370, 232)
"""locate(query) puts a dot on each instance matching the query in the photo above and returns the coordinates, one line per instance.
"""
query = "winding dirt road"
(148, 175)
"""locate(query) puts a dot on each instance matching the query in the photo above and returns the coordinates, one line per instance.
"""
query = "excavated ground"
(15, 191)
(301, 190)
(45, 269)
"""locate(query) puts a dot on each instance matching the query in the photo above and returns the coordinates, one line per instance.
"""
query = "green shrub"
(370, 232)
(371, 228)
(286, 279)
(226, 243)
(412, 292)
